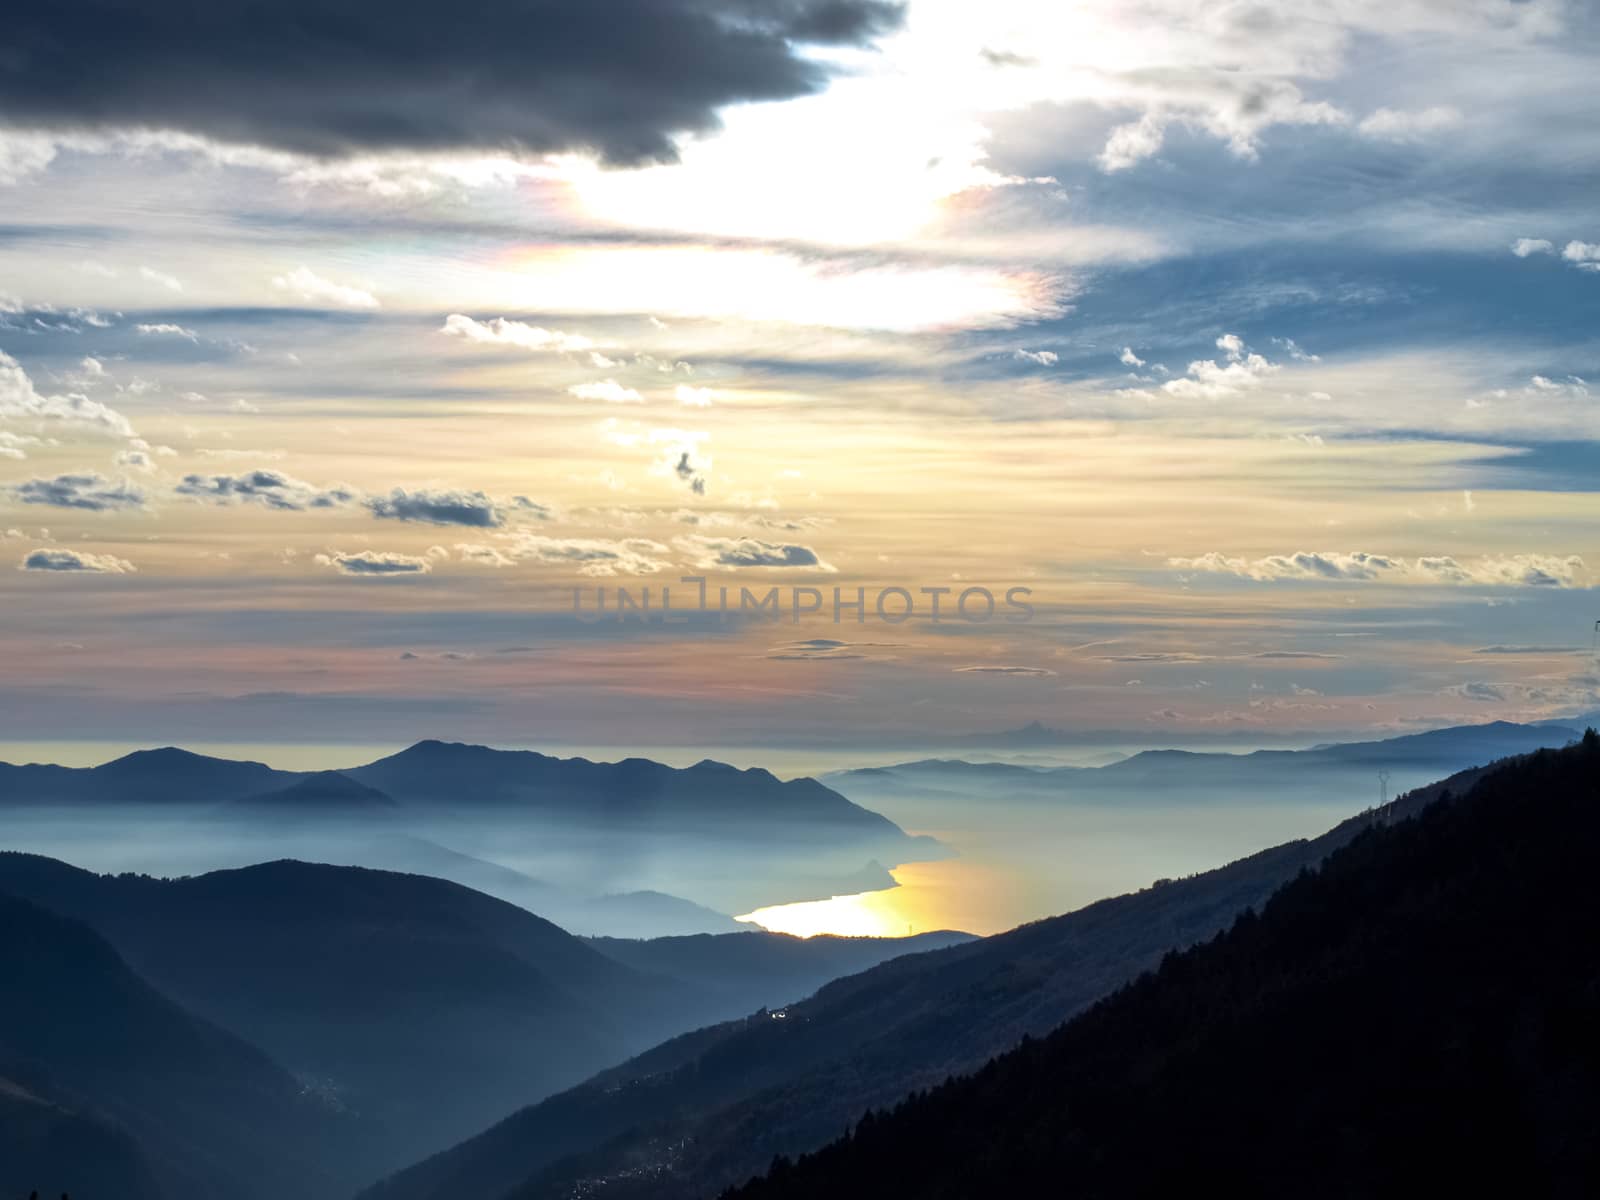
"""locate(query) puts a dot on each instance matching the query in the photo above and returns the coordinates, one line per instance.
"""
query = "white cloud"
(608, 390)
(167, 330)
(1541, 393)
(1232, 107)
(1129, 359)
(1583, 255)
(1524, 247)
(24, 154)
(171, 282)
(1301, 565)
(305, 284)
(1518, 570)
(1398, 125)
(1297, 352)
(483, 556)
(12, 444)
(693, 397)
(588, 556)
(1044, 358)
(501, 332)
(1242, 371)
(1570, 386)
(1133, 142)
(19, 399)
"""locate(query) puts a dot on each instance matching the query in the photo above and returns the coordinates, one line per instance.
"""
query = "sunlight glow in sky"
(1269, 368)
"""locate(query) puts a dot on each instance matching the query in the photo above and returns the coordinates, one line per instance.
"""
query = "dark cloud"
(1020, 672)
(473, 509)
(76, 561)
(1170, 657)
(334, 77)
(1006, 58)
(690, 474)
(93, 493)
(376, 563)
(532, 508)
(800, 656)
(271, 488)
(1528, 650)
(826, 650)
(710, 552)
(1484, 692)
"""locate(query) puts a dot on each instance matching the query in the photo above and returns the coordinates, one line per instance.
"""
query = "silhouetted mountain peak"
(164, 759)
(434, 750)
(1147, 757)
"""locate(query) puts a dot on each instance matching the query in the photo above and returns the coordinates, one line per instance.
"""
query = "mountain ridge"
(90, 1038)
(1422, 992)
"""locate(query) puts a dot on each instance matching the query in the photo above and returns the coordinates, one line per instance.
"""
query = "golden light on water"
(954, 894)
(867, 914)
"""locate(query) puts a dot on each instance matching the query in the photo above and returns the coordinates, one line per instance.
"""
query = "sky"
(1257, 343)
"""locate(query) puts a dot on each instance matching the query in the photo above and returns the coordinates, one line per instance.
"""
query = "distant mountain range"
(1038, 736)
(610, 833)
(632, 795)
(708, 1110)
(1415, 1018)
(1342, 773)
(635, 793)
(155, 777)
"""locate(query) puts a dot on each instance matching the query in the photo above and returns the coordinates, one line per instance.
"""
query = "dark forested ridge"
(1416, 1017)
(39, 1137)
(765, 970)
(108, 1088)
(423, 1008)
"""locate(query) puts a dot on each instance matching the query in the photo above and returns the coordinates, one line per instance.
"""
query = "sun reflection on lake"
(952, 894)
